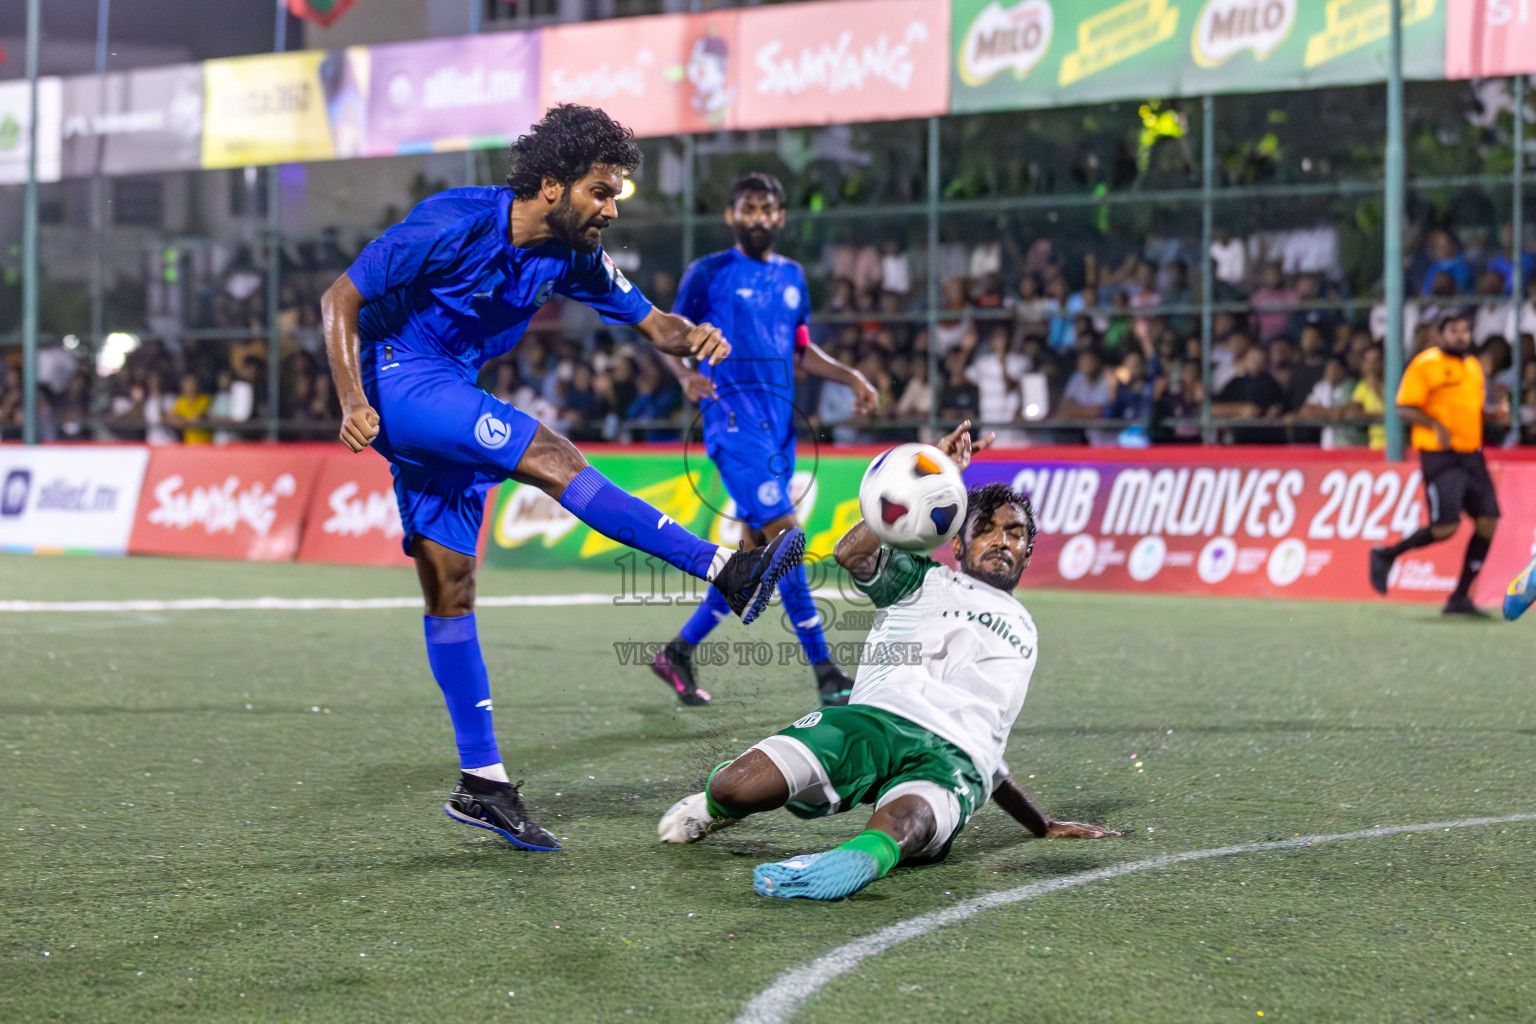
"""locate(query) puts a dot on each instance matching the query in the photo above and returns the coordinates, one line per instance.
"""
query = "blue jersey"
(760, 306)
(448, 282)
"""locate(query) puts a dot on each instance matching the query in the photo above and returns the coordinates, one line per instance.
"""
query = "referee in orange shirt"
(1441, 395)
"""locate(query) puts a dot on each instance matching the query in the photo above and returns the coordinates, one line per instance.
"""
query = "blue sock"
(619, 515)
(705, 617)
(453, 651)
(803, 615)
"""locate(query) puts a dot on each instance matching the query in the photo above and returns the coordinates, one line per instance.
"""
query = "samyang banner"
(829, 63)
(658, 76)
(133, 122)
(1052, 53)
(1484, 38)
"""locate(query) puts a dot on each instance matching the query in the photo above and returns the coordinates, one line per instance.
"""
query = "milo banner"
(529, 528)
(1249, 525)
(1048, 53)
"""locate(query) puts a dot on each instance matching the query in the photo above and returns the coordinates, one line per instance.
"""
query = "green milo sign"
(1052, 53)
(528, 528)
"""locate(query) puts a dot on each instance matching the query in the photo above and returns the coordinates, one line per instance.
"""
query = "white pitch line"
(307, 604)
(777, 1003)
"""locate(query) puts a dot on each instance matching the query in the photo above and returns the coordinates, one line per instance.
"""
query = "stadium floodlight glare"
(627, 190)
(114, 352)
(71, 342)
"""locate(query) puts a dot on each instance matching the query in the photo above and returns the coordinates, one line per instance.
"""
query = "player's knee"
(551, 463)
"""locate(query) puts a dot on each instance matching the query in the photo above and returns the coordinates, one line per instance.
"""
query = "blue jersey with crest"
(448, 282)
(760, 306)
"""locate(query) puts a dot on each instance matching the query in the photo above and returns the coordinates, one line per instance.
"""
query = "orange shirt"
(1450, 389)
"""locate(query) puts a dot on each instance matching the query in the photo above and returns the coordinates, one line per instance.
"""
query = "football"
(913, 497)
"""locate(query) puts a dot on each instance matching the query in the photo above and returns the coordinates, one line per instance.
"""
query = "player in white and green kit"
(922, 738)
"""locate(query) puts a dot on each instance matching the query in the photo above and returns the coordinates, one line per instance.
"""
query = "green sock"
(716, 810)
(878, 845)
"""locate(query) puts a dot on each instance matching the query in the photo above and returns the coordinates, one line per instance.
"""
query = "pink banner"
(658, 76)
(1247, 524)
(1485, 38)
(857, 60)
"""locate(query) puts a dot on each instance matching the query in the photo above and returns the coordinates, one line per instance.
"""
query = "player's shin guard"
(453, 651)
(619, 515)
(803, 615)
(708, 615)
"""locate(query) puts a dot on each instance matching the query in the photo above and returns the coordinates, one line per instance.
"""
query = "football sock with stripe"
(707, 615)
(619, 515)
(1477, 552)
(801, 609)
(878, 845)
(453, 651)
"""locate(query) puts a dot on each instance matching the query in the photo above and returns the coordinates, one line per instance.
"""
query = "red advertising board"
(1247, 524)
(658, 76)
(1486, 39)
(224, 502)
(825, 63)
(353, 517)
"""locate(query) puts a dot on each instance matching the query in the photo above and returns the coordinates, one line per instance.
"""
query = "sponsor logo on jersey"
(1217, 560)
(491, 432)
(615, 274)
(545, 291)
(745, 293)
(792, 297)
(808, 721)
(769, 492)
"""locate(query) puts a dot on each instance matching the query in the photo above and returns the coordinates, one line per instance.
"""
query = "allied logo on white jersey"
(769, 492)
(491, 432)
(792, 297)
(809, 720)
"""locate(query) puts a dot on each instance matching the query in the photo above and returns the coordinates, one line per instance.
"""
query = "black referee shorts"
(1457, 482)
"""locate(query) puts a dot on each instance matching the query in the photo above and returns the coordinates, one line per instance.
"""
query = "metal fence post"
(932, 262)
(1207, 267)
(690, 196)
(274, 260)
(99, 187)
(1517, 255)
(471, 156)
(1395, 201)
(29, 264)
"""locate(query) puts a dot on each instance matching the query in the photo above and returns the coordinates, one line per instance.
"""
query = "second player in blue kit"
(408, 328)
(760, 300)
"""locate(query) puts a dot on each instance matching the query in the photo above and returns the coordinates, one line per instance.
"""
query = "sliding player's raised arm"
(858, 551)
(1010, 796)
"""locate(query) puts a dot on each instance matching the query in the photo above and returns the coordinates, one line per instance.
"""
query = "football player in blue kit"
(408, 327)
(759, 299)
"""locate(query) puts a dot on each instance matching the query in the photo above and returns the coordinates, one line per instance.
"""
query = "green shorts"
(836, 758)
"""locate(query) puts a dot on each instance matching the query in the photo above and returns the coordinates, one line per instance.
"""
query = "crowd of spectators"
(1040, 347)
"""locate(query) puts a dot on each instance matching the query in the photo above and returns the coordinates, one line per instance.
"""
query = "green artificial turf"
(213, 816)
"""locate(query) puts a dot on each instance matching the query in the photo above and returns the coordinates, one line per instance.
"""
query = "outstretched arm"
(339, 307)
(675, 335)
(815, 361)
(1011, 798)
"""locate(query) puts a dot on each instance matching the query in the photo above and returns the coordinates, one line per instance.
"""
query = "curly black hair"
(757, 181)
(983, 502)
(565, 146)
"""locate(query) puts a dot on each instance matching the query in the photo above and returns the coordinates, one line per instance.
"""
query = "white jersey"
(975, 650)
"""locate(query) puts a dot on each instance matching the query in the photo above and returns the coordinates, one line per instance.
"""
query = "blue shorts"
(757, 479)
(447, 442)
